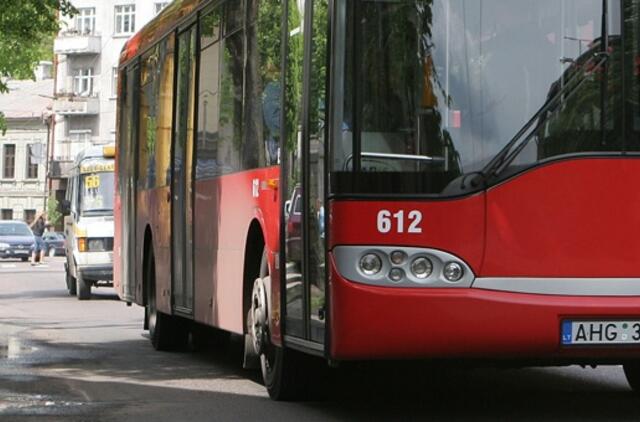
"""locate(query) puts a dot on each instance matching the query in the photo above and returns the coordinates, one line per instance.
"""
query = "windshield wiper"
(508, 153)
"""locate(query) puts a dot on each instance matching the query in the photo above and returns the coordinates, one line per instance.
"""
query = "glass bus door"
(304, 167)
(182, 170)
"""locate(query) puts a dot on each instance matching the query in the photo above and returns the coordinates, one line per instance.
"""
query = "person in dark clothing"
(38, 227)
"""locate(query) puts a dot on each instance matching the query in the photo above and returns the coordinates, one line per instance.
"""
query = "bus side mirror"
(65, 207)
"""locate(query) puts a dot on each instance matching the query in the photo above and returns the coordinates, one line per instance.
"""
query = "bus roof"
(156, 29)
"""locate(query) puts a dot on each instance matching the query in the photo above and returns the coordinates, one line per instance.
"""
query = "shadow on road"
(114, 374)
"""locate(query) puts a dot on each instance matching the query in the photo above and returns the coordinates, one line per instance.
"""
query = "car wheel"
(24, 259)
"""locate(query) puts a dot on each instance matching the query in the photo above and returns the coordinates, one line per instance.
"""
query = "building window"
(78, 141)
(160, 5)
(83, 82)
(114, 82)
(86, 20)
(33, 158)
(125, 19)
(29, 216)
(6, 214)
(9, 162)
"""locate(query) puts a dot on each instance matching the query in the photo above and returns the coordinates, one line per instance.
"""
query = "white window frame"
(159, 6)
(85, 21)
(125, 19)
(83, 79)
(114, 82)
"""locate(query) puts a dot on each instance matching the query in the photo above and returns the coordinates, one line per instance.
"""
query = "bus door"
(127, 185)
(304, 247)
(182, 175)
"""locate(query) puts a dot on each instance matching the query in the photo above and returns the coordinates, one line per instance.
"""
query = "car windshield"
(15, 229)
(435, 89)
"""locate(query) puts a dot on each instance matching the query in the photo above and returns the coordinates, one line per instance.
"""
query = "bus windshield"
(435, 89)
(96, 193)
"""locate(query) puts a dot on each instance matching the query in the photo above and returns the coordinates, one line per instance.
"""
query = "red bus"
(370, 180)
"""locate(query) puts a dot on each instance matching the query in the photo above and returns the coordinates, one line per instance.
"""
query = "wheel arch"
(254, 248)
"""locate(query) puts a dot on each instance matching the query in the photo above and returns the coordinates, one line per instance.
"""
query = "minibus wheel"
(71, 283)
(83, 288)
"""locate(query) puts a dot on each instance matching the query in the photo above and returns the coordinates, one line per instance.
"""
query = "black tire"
(285, 372)
(71, 283)
(83, 288)
(632, 372)
(167, 333)
(24, 259)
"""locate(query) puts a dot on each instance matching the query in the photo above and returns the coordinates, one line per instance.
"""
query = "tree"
(53, 215)
(25, 27)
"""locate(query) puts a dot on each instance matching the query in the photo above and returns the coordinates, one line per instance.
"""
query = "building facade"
(23, 148)
(87, 52)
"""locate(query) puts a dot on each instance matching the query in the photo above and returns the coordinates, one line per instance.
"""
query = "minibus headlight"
(422, 267)
(96, 245)
(370, 264)
(4, 246)
(453, 272)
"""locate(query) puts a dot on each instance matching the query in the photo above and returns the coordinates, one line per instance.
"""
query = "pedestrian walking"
(38, 227)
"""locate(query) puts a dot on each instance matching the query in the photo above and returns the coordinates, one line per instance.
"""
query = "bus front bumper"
(371, 323)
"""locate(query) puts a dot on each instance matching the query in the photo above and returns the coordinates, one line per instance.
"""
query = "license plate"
(600, 332)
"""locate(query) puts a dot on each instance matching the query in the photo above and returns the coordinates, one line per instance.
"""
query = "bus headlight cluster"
(406, 267)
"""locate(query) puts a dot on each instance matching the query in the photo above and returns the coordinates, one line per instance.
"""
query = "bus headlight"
(422, 268)
(398, 257)
(370, 264)
(396, 275)
(4, 246)
(453, 272)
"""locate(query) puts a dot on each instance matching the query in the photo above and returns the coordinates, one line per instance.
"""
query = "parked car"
(55, 242)
(16, 240)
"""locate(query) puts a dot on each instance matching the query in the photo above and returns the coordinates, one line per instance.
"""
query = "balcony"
(60, 169)
(76, 105)
(73, 42)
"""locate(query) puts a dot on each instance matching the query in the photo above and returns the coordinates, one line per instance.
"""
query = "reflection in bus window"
(443, 86)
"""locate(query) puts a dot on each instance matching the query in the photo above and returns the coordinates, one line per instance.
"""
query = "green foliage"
(53, 215)
(27, 28)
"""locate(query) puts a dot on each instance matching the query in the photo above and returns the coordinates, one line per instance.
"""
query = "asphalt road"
(61, 359)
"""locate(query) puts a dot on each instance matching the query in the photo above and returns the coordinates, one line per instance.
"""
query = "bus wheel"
(83, 288)
(283, 371)
(71, 283)
(632, 372)
(167, 332)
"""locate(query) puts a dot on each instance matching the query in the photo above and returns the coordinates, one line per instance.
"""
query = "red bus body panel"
(224, 210)
(575, 218)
